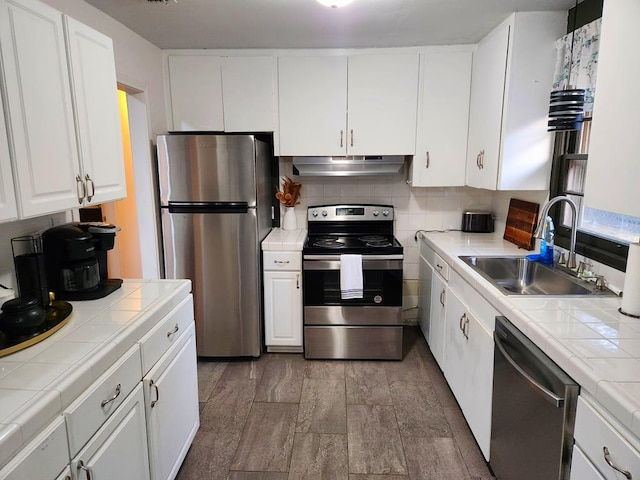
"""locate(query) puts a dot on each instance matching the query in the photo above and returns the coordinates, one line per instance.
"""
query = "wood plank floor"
(281, 417)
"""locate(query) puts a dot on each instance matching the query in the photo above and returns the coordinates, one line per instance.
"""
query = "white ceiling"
(307, 24)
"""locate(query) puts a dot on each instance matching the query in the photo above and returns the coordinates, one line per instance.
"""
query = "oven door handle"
(367, 264)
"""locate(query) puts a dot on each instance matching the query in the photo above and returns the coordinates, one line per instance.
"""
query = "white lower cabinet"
(468, 367)
(44, 458)
(582, 468)
(172, 408)
(424, 297)
(438, 303)
(594, 431)
(283, 301)
(119, 448)
(66, 475)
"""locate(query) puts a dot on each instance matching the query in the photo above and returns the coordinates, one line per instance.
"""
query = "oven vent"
(348, 166)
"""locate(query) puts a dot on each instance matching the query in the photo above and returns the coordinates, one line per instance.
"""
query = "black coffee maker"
(75, 257)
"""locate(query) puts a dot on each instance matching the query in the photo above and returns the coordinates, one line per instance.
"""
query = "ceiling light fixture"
(334, 3)
(566, 106)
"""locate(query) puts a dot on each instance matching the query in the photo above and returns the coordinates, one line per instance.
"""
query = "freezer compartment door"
(220, 254)
(207, 168)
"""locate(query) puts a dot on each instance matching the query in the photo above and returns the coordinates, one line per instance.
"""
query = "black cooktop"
(365, 244)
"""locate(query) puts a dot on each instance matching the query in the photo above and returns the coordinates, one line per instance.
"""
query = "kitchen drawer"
(427, 252)
(593, 432)
(43, 458)
(481, 308)
(165, 333)
(440, 266)
(282, 261)
(100, 400)
(582, 468)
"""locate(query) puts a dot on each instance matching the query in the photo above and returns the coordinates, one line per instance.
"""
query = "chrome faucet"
(574, 225)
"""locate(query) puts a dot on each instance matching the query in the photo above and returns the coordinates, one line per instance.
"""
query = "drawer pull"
(607, 458)
(439, 266)
(104, 403)
(153, 385)
(86, 470)
(174, 331)
(281, 262)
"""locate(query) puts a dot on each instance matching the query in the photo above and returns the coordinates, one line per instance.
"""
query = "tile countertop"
(284, 240)
(39, 382)
(587, 337)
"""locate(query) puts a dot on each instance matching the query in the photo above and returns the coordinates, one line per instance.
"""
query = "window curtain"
(584, 69)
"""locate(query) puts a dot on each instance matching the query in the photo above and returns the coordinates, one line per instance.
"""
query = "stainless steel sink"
(521, 276)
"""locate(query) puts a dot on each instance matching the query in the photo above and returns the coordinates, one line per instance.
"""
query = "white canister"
(289, 221)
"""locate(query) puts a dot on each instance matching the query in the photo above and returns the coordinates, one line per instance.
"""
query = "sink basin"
(520, 276)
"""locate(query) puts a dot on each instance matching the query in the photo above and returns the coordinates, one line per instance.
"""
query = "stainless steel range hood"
(348, 166)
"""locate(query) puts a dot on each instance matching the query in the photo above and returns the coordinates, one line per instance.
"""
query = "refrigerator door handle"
(208, 207)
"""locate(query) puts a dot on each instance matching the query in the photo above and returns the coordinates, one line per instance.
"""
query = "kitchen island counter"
(39, 382)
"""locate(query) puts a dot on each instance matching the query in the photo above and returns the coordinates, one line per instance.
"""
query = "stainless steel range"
(336, 325)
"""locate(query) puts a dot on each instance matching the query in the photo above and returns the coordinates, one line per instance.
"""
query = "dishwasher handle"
(540, 389)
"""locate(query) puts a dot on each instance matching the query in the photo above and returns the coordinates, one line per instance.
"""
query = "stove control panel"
(350, 213)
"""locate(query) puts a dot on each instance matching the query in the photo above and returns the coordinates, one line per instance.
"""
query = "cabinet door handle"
(82, 188)
(482, 159)
(281, 262)
(351, 137)
(341, 138)
(93, 187)
(465, 328)
(464, 315)
(478, 161)
(154, 386)
(86, 470)
(174, 331)
(428, 159)
(298, 281)
(442, 298)
(106, 402)
(607, 458)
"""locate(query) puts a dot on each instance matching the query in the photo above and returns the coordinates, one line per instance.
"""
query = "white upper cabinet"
(196, 92)
(312, 94)
(443, 118)
(95, 90)
(248, 85)
(509, 147)
(39, 107)
(613, 167)
(355, 105)
(209, 92)
(8, 209)
(382, 104)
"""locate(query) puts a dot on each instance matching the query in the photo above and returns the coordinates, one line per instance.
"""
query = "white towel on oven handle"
(351, 276)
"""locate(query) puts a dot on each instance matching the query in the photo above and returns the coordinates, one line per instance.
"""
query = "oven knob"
(324, 213)
(314, 213)
(376, 213)
(385, 213)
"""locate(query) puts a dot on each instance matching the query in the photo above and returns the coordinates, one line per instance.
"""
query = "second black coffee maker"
(75, 257)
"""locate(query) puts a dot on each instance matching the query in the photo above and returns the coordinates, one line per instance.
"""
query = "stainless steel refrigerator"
(215, 203)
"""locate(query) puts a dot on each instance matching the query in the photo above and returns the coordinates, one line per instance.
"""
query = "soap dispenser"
(546, 244)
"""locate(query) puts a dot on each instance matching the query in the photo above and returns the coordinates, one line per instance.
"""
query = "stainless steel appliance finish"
(364, 328)
(478, 221)
(349, 166)
(215, 210)
(353, 342)
(533, 414)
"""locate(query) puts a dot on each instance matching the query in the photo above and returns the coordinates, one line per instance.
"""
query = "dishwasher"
(533, 410)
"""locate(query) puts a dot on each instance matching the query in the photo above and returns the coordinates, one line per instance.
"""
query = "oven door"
(382, 291)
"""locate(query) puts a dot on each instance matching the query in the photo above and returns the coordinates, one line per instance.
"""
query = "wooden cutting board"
(522, 220)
